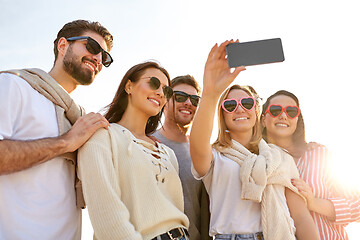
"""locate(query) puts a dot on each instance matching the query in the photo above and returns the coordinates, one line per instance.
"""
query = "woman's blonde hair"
(224, 140)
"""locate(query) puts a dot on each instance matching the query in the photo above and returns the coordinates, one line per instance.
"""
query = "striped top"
(314, 168)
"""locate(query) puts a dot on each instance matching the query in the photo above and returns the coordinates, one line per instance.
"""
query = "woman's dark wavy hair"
(299, 134)
(116, 109)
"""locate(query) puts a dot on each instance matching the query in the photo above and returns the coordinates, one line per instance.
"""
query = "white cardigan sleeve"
(109, 216)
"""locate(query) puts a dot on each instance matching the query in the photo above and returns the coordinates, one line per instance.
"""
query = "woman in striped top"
(332, 206)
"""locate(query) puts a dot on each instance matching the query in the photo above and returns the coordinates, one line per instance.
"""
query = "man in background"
(179, 113)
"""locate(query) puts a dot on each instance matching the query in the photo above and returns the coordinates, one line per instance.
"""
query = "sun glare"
(345, 170)
(345, 167)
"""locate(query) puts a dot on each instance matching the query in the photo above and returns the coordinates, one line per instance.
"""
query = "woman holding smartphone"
(131, 183)
(331, 205)
(248, 181)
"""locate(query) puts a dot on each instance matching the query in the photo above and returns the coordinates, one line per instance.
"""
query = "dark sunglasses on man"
(94, 48)
(180, 96)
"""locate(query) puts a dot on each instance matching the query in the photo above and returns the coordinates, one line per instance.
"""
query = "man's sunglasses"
(230, 105)
(94, 48)
(180, 96)
(155, 84)
(276, 110)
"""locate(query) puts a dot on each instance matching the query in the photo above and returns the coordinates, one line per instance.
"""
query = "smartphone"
(255, 52)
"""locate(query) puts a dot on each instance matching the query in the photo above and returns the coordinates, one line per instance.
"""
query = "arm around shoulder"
(22, 152)
(20, 155)
(17, 155)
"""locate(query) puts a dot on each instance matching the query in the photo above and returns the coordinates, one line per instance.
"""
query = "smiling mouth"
(154, 101)
(281, 125)
(91, 66)
(185, 112)
(240, 119)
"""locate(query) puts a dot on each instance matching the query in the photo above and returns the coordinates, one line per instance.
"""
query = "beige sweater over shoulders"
(130, 193)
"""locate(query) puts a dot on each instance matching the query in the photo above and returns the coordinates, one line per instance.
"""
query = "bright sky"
(320, 41)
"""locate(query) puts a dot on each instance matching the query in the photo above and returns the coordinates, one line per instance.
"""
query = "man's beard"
(180, 122)
(75, 69)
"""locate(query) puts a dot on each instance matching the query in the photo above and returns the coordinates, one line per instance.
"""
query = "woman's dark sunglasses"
(155, 84)
(276, 110)
(94, 48)
(180, 96)
(230, 105)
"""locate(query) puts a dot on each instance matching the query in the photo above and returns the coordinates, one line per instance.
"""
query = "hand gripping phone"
(255, 52)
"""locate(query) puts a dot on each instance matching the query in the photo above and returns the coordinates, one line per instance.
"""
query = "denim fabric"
(250, 236)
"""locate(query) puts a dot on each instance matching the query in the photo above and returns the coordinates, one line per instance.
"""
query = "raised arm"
(19, 155)
(217, 77)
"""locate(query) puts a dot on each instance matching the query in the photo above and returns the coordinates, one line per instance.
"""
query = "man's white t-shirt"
(39, 202)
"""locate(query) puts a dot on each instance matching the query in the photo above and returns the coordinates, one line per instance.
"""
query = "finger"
(211, 53)
(236, 71)
(93, 127)
(229, 42)
(303, 192)
(223, 50)
(220, 53)
(89, 117)
(102, 124)
(102, 120)
(105, 124)
(240, 69)
(294, 181)
(304, 188)
(92, 123)
(301, 188)
(304, 195)
(297, 181)
(94, 117)
(304, 185)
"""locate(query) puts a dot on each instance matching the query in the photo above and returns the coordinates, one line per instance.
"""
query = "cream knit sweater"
(264, 178)
(132, 188)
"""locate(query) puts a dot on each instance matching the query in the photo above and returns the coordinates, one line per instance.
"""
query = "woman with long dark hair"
(331, 205)
(131, 183)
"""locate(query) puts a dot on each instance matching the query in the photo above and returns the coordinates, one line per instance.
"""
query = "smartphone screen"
(255, 52)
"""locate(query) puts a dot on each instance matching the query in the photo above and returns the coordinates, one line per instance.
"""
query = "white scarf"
(263, 179)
